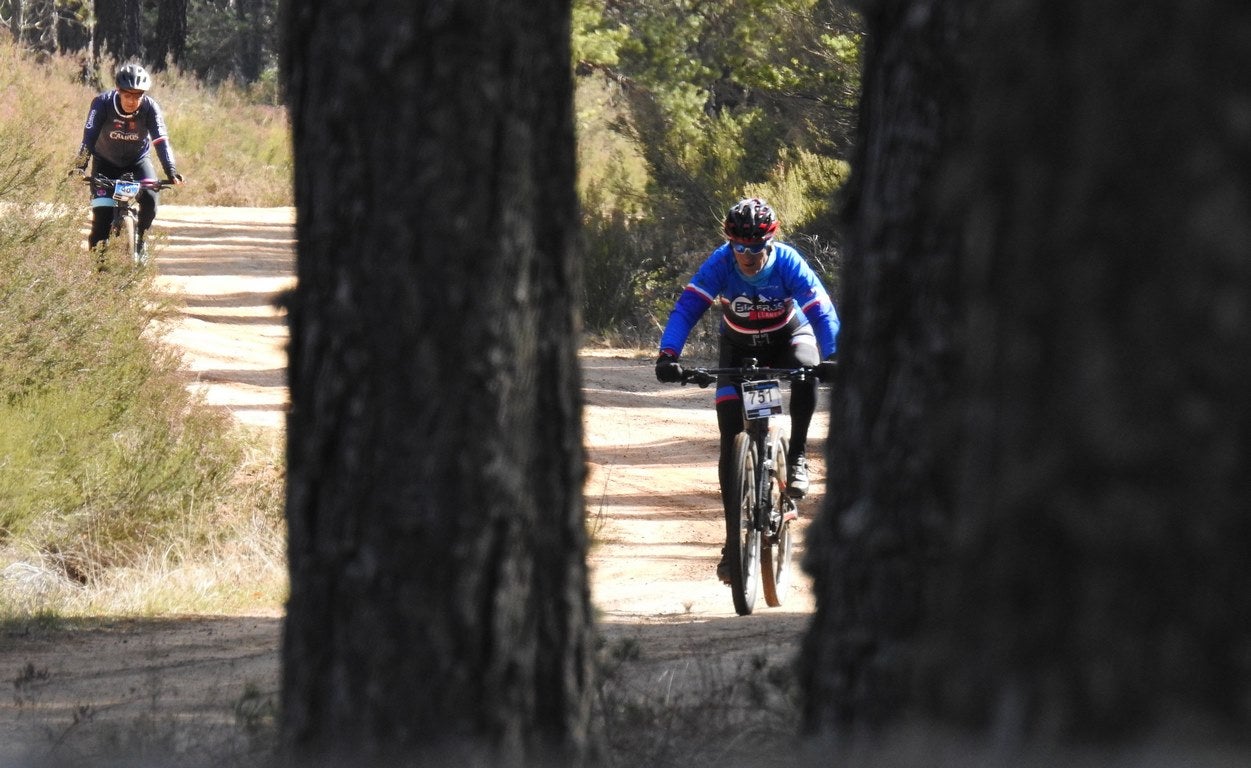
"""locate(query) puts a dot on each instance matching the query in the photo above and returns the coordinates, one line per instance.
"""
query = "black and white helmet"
(750, 221)
(132, 77)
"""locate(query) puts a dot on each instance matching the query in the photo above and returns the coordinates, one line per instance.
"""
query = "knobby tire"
(775, 552)
(742, 546)
(130, 239)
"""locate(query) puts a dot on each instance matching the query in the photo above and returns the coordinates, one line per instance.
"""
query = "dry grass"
(119, 492)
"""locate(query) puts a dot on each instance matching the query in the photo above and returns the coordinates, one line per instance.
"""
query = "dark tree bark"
(117, 29)
(1038, 527)
(889, 505)
(17, 20)
(439, 597)
(170, 42)
(108, 27)
(251, 57)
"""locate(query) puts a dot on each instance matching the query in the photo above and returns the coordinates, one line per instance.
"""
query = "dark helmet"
(750, 221)
(133, 77)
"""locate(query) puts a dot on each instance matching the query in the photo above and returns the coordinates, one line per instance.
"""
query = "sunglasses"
(740, 248)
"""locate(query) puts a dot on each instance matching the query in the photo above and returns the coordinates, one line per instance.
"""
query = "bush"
(107, 461)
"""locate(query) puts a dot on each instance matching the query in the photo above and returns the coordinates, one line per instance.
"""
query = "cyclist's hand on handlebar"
(177, 178)
(825, 370)
(667, 368)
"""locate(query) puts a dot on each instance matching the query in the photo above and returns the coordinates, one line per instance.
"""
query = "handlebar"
(749, 371)
(105, 181)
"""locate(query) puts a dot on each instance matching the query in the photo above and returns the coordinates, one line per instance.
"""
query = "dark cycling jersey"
(125, 140)
(756, 311)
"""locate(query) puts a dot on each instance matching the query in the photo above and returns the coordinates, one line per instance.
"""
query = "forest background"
(682, 109)
(1076, 330)
(678, 115)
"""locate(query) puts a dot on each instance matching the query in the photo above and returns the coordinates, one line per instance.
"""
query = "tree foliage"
(724, 95)
(217, 40)
(719, 100)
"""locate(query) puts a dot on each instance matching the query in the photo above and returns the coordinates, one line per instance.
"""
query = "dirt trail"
(652, 501)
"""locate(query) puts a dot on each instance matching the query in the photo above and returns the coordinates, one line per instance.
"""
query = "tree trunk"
(888, 506)
(117, 29)
(1037, 528)
(108, 27)
(17, 20)
(131, 47)
(170, 43)
(250, 56)
(439, 597)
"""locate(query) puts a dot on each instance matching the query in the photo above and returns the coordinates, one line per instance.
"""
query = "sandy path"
(652, 502)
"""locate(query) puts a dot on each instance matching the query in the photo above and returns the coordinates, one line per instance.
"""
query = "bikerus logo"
(758, 308)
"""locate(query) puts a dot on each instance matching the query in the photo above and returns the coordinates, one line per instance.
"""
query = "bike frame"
(123, 194)
(768, 522)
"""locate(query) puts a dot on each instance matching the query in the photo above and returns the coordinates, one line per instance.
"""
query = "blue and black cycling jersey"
(759, 310)
(124, 140)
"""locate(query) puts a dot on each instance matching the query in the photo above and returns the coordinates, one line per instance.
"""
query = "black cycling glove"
(667, 368)
(825, 369)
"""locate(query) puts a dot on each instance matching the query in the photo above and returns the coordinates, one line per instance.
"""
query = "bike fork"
(762, 509)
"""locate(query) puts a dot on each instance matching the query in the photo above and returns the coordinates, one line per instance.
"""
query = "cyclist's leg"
(801, 350)
(729, 424)
(101, 203)
(101, 220)
(148, 198)
(798, 350)
(729, 416)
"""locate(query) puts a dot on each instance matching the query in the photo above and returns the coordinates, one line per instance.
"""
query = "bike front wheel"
(742, 540)
(776, 546)
(130, 238)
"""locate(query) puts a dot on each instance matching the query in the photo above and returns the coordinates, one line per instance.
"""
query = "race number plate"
(762, 399)
(125, 190)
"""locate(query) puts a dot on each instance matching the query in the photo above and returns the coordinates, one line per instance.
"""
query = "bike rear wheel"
(776, 547)
(742, 540)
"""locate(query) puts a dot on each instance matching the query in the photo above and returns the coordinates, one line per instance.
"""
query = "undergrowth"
(119, 491)
(234, 151)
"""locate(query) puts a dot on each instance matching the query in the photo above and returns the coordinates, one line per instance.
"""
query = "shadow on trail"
(84, 682)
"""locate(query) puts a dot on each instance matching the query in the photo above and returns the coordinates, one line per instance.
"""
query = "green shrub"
(107, 461)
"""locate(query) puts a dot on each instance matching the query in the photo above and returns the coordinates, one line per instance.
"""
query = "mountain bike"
(123, 196)
(758, 528)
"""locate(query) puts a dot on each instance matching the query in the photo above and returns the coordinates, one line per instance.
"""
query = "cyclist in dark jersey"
(773, 308)
(123, 127)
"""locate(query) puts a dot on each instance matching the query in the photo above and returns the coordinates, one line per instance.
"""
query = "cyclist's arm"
(814, 301)
(690, 306)
(824, 319)
(160, 139)
(708, 283)
(91, 129)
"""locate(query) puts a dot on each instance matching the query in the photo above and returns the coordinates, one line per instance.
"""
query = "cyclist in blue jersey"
(773, 308)
(123, 127)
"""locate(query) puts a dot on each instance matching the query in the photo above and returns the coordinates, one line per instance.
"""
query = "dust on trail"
(652, 505)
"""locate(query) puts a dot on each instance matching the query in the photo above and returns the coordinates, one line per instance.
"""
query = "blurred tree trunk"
(1037, 525)
(117, 29)
(249, 13)
(108, 27)
(439, 598)
(888, 502)
(170, 45)
(17, 20)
